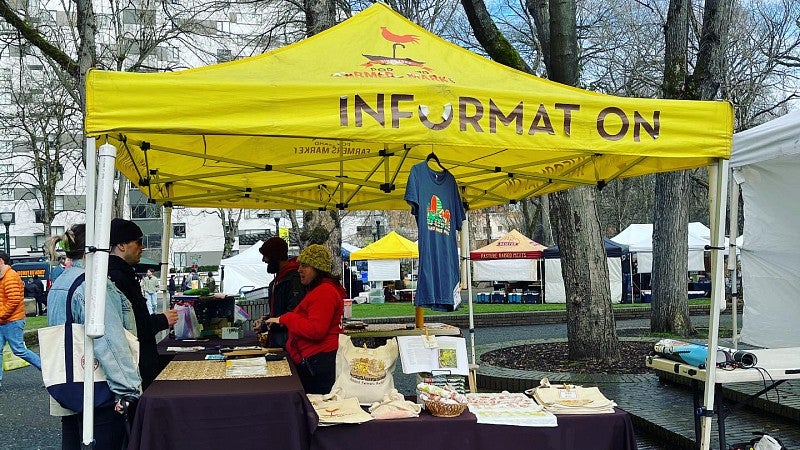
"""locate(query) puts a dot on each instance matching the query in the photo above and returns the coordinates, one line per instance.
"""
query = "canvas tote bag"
(365, 373)
(61, 351)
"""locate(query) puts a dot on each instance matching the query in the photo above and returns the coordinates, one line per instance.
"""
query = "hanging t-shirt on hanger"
(437, 206)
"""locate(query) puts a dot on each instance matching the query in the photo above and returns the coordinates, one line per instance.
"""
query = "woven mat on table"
(215, 370)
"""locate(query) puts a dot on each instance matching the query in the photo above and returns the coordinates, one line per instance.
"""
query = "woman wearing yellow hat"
(316, 323)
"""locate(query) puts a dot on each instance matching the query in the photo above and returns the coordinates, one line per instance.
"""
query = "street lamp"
(277, 214)
(7, 218)
(378, 218)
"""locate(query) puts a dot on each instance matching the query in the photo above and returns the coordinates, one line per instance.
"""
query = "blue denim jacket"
(111, 350)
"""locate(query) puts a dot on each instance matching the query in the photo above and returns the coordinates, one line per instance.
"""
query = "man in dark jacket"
(285, 290)
(126, 251)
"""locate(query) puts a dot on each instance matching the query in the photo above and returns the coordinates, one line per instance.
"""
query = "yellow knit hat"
(316, 256)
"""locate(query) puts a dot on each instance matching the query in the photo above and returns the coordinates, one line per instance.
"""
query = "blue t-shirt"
(436, 204)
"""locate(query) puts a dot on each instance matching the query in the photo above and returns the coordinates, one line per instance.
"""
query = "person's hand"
(273, 320)
(172, 316)
(259, 324)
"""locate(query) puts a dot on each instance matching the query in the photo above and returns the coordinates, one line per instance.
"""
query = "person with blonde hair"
(111, 350)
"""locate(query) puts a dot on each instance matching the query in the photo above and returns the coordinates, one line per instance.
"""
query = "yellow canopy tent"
(299, 128)
(391, 246)
(337, 120)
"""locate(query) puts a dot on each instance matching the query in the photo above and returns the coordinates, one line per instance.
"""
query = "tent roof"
(613, 250)
(639, 237)
(514, 245)
(246, 257)
(347, 249)
(775, 139)
(391, 246)
(296, 129)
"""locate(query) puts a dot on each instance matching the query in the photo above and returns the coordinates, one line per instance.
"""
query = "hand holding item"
(272, 320)
(260, 325)
(172, 316)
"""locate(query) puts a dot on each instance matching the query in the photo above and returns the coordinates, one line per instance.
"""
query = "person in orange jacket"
(12, 315)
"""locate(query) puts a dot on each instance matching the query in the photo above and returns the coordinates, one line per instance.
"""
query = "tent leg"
(717, 198)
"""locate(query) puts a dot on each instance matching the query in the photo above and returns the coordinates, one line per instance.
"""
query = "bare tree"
(41, 122)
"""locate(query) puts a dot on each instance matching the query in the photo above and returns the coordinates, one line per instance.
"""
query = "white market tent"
(639, 239)
(244, 269)
(513, 257)
(766, 163)
(554, 289)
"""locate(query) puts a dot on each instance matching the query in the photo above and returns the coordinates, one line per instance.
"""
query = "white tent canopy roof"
(244, 269)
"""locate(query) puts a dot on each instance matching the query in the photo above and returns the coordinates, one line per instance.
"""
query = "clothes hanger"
(432, 156)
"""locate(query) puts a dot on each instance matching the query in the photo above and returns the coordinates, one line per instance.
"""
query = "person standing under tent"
(285, 290)
(12, 315)
(126, 250)
(316, 323)
(110, 350)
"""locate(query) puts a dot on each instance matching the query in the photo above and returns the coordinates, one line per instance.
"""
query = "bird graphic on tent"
(398, 39)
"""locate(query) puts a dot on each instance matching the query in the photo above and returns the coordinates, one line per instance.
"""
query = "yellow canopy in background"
(337, 121)
(391, 246)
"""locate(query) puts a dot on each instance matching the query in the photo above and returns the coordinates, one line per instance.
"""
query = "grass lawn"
(406, 309)
(33, 323)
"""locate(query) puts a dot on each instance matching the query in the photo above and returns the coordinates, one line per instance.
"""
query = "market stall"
(554, 282)
(383, 260)
(295, 129)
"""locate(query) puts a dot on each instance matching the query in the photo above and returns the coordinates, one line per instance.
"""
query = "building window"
(179, 230)
(6, 194)
(57, 230)
(6, 168)
(58, 204)
(152, 240)
(145, 211)
(179, 259)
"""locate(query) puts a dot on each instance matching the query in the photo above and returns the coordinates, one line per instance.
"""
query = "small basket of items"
(442, 401)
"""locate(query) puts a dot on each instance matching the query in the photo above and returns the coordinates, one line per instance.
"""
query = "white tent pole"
(733, 257)
(165, 242)
(717, 177)
(97, 276)
(467, 269)
(88, 342)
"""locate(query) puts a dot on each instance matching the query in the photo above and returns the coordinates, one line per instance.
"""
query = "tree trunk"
(670, 301)
(591, 329)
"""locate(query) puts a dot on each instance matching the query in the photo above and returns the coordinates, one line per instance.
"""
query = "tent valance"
(296, 129)
(514, 245)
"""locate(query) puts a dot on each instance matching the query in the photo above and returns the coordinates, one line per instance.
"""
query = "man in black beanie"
(285, 290)
(126, 251)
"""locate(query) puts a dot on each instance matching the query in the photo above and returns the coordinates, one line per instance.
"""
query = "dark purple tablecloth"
(574, 432)
(253, 413)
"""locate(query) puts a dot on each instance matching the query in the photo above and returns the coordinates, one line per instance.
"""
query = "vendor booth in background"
(554, 281)
(383, 259)
(513, 257)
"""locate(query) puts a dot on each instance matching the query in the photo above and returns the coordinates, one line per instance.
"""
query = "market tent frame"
(296, 129)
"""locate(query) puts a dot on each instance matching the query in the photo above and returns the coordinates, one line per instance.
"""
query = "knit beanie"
(275, 248)
(316, 256)
(123, 231)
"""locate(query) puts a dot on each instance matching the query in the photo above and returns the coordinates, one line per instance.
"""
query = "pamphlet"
(450, 355)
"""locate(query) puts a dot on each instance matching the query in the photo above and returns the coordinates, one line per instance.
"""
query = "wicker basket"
(440, 409)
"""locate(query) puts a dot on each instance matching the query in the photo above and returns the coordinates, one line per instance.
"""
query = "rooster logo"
(397, 40)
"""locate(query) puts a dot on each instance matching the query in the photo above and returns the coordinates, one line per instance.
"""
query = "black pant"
(109, 430)
(318, 372)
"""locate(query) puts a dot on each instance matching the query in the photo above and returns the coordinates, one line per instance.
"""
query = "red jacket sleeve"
(319, 306)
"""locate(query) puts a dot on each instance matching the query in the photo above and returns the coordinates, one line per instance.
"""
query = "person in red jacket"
(316, 323)
(12, 315)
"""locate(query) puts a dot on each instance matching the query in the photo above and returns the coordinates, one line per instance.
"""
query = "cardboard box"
(232, 333)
